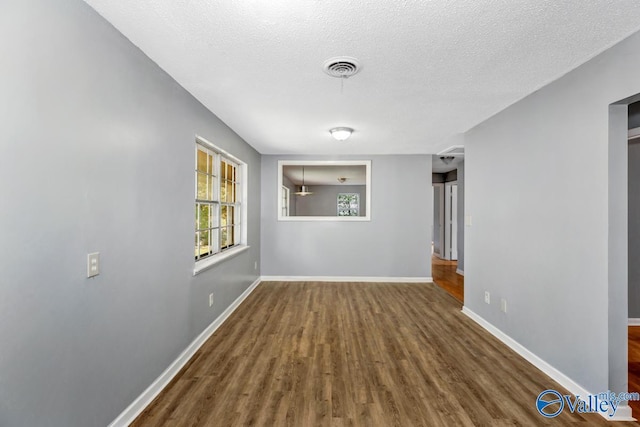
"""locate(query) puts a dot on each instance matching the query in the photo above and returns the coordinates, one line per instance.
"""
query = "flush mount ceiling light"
(303, 190)
(447, 159)
(341, 134)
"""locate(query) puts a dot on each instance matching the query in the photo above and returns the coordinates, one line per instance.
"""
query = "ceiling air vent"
(341, 66)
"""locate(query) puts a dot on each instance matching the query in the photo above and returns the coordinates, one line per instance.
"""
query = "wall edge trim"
(136, 407)
(623, 413)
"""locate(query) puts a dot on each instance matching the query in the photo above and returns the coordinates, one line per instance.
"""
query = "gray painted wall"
(460, 214)
(552, 224)
(97, 154)
(395, 243)
(324, 200)
(634, 229)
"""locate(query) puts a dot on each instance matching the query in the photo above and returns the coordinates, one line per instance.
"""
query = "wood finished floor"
(444, 275)
(354, 354)
(634, 367)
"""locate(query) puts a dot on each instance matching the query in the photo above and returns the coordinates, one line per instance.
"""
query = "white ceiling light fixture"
(341, 67)
(341, 133)
(447, 159)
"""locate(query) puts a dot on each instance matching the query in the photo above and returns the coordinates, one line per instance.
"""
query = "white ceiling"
(430, 69)
(327, 174)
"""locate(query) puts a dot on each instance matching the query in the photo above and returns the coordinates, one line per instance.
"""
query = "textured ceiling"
(430, 69)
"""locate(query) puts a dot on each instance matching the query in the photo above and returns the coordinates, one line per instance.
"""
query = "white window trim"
(286, 199)
(206, 263)
(367, 163)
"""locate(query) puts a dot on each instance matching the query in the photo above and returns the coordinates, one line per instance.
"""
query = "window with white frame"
(348, 204)
(218, 202)
(285, 200)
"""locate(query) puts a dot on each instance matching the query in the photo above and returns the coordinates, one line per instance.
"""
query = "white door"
(451, 221)
(454, 222)
(438, 220)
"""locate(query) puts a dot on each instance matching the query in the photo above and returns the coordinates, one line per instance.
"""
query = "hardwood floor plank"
(444, 275)
(354, 354)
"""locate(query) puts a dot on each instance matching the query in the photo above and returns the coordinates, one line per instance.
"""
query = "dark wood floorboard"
(354, 354)
(444, 275)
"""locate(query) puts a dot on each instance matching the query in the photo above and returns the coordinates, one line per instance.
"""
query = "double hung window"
(218, 207)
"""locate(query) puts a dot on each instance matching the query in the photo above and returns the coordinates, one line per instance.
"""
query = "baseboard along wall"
(141, 402)
(347, 279)
(623, 413)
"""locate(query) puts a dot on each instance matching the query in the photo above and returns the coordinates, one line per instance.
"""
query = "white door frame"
(440, 185)
(451, 223)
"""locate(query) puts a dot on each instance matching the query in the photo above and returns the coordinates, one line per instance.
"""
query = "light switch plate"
(93, 264)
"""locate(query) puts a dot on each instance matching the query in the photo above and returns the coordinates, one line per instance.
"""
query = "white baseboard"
(460, 272)
(346, 279)
(634, 322)
(622, 414)
(147, 396)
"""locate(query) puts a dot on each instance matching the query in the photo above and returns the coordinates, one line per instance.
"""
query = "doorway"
(447, 254)
(633, 282)
(437, 245)
(620, 336)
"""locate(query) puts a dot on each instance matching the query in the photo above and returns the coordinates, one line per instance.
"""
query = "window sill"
(218, 258)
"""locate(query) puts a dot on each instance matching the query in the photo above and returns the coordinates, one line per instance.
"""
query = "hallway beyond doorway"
(445, 276)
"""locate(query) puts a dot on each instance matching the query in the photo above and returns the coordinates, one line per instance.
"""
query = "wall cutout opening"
(315, 190)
